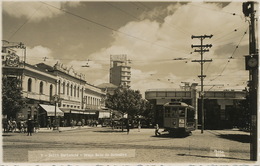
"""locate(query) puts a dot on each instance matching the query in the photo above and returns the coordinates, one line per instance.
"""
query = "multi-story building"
(51, 90)
(120, 72)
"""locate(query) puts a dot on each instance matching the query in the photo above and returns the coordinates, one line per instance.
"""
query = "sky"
(155, 36)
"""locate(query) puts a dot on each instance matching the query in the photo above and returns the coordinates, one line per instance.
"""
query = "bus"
(178, 118)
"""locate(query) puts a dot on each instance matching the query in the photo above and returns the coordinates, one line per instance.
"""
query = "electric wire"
(232, 13)
(230, 57)
(123, 11)
(26, 21)
(112, 29)
(225, 35)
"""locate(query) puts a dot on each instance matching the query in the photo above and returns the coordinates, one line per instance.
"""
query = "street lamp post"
(55, 99)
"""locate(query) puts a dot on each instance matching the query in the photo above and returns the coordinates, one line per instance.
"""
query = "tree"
(146, 109)
(126, 101)
(12, 100)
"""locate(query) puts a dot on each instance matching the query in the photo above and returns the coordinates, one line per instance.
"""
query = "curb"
(61, 130)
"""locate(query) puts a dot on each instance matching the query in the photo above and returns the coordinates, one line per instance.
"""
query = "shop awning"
(50, 109)
(75, 111)
(104, 115)
(89, 113)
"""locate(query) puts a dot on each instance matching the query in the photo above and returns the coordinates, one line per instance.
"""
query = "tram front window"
(167, 112)
(174, 112)
(182, 112)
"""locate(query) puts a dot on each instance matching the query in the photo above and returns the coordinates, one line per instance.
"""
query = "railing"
(36, 96)
(89, 106)
(68, 97)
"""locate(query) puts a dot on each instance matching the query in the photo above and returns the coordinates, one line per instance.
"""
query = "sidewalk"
(62, 129)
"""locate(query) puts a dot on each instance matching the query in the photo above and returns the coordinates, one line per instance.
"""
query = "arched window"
(41, 87)
(75, 91)
(71, 90)
(63, 88)
(29, 85)
(59, 84)
(68, 89)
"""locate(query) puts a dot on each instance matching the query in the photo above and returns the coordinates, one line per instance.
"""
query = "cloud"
(80, 65)
(37, 54)
(94, 72)
(101, 80)
(36, 11)
(158, 13)
(142, 80)
(150, 42)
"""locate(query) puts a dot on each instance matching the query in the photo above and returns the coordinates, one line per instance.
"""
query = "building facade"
(53, 90)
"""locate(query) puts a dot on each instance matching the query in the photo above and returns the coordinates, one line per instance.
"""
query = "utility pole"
(202, 50)
(251, 62)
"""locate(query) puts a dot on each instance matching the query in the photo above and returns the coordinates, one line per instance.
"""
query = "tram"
(178, 118)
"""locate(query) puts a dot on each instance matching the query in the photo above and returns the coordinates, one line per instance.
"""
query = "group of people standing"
(11, 125)
(83, 122)
(71, 123)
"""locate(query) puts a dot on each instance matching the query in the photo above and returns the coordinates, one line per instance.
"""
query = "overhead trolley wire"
(26, 21)
(232, 13)
(225, 35)
(230, 57)
(123, 11)
(112, 29)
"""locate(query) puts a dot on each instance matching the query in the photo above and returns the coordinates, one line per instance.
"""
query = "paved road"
(95, 145)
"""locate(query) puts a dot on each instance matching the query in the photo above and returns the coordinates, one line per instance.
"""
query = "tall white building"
(120, 71)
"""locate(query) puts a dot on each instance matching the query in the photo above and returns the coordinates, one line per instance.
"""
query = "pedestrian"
(72, 123)
(30, 127)
(83, 122)
(139, 126)
(49, 123)
(14, 125)
(65, 123)
(9, 125)
(19, 126)
(157, 130)
(5, 125)
(25, 126)
(127, 127)
(62, 123)
(79, 124)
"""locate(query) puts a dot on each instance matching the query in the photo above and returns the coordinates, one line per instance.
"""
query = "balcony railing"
(36, 96)
(92, 107)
